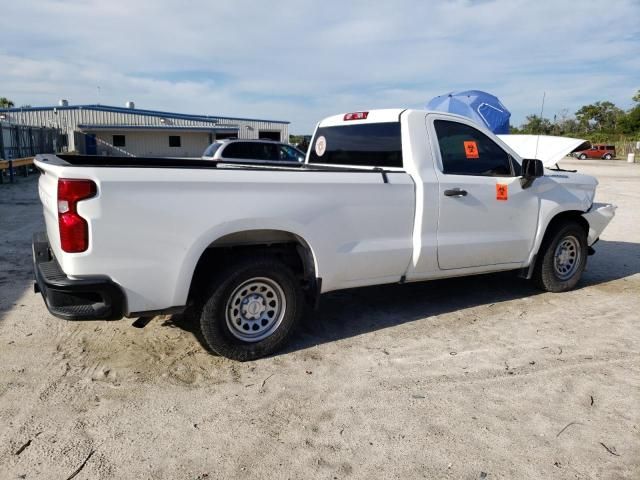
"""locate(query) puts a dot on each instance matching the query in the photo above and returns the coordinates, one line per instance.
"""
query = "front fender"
(598, 217)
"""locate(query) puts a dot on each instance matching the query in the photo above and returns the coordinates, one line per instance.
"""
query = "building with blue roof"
(108, 130)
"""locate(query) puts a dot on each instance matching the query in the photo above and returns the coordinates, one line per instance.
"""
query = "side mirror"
(531, 169)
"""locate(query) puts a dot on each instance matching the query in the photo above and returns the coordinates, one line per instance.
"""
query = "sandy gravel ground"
(470, 378)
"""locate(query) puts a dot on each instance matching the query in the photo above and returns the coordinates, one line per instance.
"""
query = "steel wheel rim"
(255, 309)
(566, 258)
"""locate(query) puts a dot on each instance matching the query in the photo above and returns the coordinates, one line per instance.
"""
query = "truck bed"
(153, 218)
(182, 163)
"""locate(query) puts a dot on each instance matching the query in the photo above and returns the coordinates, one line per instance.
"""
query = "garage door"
(262, 134)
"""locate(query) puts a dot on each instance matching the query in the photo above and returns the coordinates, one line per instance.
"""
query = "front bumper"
(73, 299)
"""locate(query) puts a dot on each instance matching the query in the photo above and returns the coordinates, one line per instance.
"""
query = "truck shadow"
(20, 217)
(349, 313)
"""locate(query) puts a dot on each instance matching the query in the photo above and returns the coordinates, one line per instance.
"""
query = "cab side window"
(467, 151)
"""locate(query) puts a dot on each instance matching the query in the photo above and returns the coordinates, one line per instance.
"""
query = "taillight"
(74, 230)
(356, 116)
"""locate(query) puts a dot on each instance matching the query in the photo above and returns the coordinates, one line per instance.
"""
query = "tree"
(565, 124)
(630, 123)
(6, 103)
(601, 116)
(536, 125)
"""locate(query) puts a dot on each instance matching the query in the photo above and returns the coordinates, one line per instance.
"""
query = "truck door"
(485, 217)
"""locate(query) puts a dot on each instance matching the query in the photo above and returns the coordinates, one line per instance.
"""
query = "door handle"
(455, 192)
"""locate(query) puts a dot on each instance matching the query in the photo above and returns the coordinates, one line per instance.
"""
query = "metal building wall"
(67, 119)
(154, 143)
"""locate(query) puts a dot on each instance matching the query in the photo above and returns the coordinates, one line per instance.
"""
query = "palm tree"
(6, 103)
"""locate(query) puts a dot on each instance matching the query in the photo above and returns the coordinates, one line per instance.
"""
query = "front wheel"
(583, 157)
(608, 156)
(562, 258)
(251, 309)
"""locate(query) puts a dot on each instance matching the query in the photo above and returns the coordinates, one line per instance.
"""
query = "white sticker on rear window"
(321, 146)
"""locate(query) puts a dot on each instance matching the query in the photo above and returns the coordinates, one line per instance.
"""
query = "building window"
(174, 141)
(118, 141)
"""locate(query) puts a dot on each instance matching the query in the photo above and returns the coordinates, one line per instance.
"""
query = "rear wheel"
(562, 258)
(608, 156)
(251, 308)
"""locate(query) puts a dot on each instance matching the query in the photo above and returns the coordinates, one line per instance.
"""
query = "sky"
(302, 60)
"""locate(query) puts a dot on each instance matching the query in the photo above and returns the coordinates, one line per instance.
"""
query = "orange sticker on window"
(502, 191)
(471, 149)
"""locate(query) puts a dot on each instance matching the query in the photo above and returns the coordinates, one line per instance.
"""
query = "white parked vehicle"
(235, 150)
(384, 196)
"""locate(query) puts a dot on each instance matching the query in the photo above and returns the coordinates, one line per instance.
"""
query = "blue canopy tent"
(482, 107)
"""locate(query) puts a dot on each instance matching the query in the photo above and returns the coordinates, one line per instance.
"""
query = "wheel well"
(287, 247)
(563, 217)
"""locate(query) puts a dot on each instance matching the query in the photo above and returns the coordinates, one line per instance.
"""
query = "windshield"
(291, 154)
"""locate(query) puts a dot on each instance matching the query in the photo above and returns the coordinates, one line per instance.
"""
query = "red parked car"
(597, 150)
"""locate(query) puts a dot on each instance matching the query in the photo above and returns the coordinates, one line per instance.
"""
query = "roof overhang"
(157, 128)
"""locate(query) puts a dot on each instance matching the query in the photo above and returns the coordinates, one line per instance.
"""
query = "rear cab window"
(358, 145)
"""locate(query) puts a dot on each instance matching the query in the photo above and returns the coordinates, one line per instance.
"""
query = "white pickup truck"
(383, 196)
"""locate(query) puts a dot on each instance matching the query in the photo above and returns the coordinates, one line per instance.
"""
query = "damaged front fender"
(598, 217)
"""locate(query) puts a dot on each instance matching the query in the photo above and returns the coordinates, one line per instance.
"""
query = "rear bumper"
(73, 299)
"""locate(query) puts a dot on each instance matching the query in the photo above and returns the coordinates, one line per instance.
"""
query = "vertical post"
(1, 141)
(2, 155)
(31, 145)
(10, 171)
(18, 146)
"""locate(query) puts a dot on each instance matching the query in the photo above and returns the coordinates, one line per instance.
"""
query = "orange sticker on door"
(502, 191)
(471, 149)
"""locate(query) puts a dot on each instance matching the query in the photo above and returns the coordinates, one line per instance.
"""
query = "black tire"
(583, 157)
(218, 324)
(608, 156)
(547, 275)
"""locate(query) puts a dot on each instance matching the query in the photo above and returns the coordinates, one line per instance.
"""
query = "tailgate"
(48, 193)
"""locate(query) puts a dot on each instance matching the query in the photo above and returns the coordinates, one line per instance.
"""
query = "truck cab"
(474, 210)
